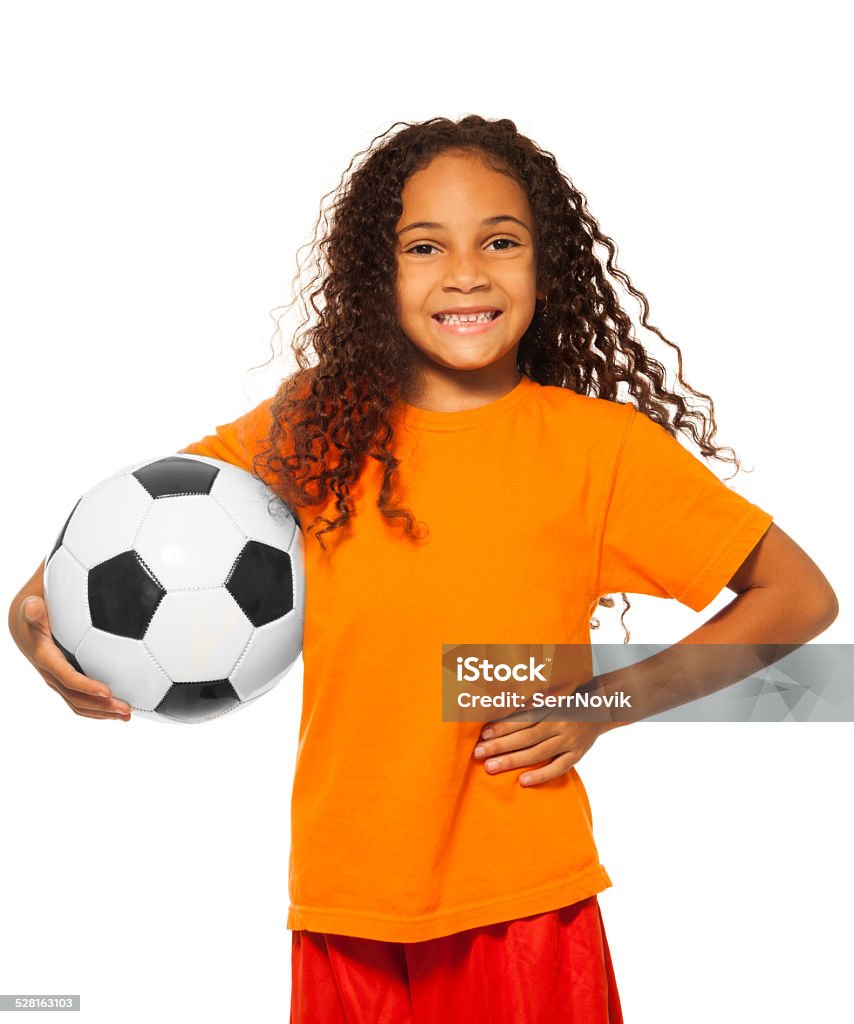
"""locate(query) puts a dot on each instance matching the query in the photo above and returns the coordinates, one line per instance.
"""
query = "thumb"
(32, 609)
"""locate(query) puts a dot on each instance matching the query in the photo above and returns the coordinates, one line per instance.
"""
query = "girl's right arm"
(30, 629)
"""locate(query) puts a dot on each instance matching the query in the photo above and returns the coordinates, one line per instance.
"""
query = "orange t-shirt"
(537, 503)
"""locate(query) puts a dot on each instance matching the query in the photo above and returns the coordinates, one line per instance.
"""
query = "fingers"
(511, 753)
(49, 658)
(562, 747)
(557, 762)
(87, 705)
(512, 723)
(87, 697)
(557, 766)
(502, 736)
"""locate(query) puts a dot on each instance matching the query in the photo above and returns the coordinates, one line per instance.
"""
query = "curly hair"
(364, 363)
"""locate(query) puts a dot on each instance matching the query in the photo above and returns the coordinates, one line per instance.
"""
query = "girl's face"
(465, 242)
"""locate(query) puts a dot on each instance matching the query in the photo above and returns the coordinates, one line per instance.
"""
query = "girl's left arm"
(783, 597)
(782, 601)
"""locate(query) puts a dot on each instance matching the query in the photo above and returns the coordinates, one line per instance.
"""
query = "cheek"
(404, 297)
(409, 308)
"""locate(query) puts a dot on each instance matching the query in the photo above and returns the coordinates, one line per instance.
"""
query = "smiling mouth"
(493, 314)
(467, 326)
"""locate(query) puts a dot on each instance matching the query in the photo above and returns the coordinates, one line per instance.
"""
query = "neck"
(443, 389)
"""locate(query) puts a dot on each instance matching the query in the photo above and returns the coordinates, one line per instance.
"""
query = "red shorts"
(543, 969)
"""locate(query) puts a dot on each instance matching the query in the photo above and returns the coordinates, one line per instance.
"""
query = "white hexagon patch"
(258, 511)
(271, 653)
(198, 635)
(188, 541)
(123, 663)
(69, 613)
(106, 520)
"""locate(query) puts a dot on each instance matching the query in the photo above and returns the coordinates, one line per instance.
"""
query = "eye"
(427, 245)
(510, 240)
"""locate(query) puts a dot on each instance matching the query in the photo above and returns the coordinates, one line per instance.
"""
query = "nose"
(466, 271)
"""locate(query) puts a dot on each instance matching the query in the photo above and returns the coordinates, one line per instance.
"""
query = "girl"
(479, 450)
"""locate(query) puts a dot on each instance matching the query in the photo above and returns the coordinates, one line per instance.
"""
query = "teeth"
(471, 318)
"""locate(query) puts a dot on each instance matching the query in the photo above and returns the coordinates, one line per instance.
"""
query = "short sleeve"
(671, 527)
(239, 441)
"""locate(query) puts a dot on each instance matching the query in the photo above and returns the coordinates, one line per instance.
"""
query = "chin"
(468, 364)
(460, 355)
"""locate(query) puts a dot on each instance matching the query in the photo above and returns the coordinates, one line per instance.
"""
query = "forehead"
(460, 186)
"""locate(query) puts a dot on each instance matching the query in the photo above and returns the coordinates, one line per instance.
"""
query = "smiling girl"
(478, 448)
(465, 336)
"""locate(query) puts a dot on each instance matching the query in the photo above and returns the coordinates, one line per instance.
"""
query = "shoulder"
(595, 413)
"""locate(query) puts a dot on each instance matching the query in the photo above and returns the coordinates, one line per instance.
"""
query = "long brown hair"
(363, 363)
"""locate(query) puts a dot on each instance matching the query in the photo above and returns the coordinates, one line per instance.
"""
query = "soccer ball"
(180, 583)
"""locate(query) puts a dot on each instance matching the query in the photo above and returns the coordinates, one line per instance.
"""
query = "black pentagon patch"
(123, 595)
(262, 582)
(194, 702)
(61, 536)
(69, 657)
(173, 475)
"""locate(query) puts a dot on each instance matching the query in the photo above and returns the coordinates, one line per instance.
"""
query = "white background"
(163, 163)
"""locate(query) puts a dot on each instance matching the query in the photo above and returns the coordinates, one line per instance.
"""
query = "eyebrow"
(488, 220)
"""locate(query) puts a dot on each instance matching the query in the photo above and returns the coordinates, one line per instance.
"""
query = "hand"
(520, 744)
(85, 696)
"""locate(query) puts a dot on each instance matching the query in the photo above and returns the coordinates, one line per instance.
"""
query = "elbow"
(821, 610)
(794, 614)
(830, 610)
